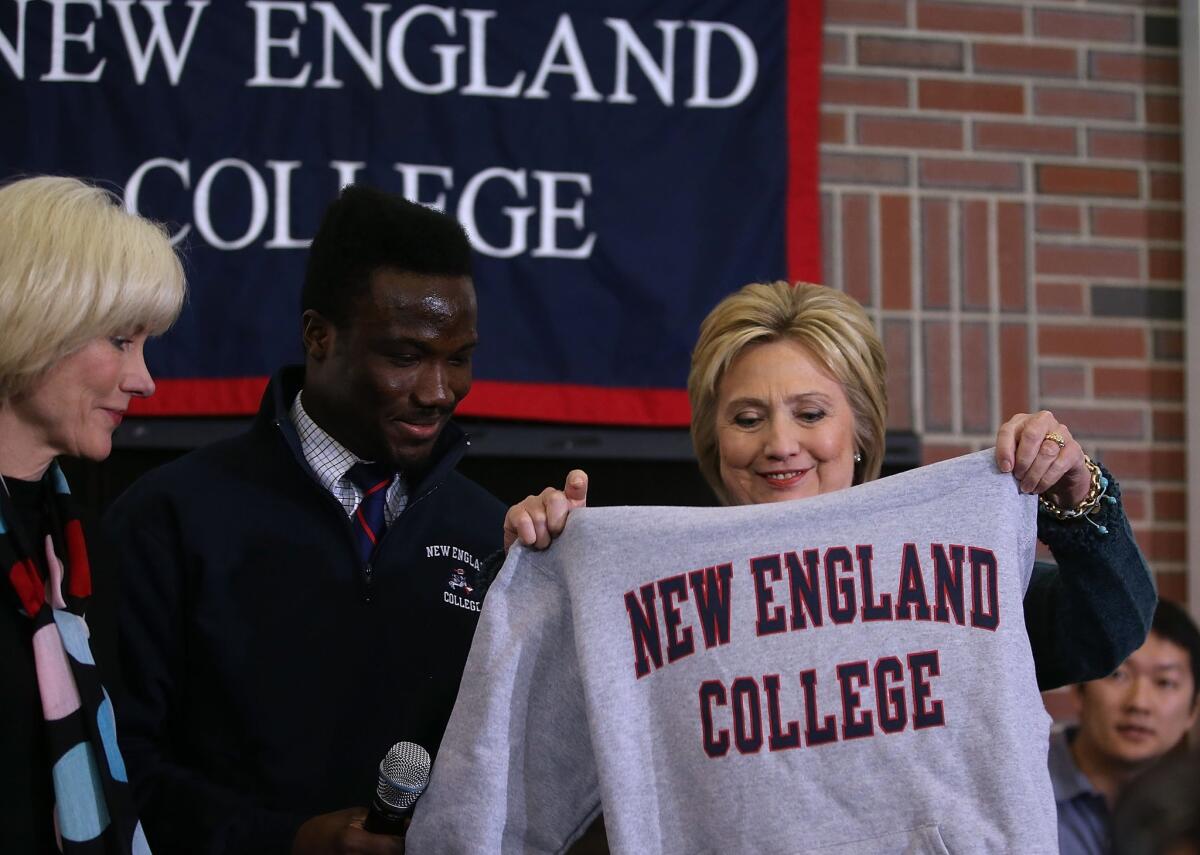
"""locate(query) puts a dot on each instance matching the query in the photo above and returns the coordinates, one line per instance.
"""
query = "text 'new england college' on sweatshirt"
(849, 673)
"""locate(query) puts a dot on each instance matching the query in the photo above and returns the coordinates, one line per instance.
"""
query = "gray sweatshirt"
(845, 674)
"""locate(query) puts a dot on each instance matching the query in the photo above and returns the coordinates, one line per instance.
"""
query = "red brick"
(971, 17)
(1103, 422)
(1169, 426)
(1058, 219)
(1060, 297)
(1062, 381)
(856, 247)
(1166, 264)
(937, 54)
(1160, 384)
(1168, 344)
(897, 343)
(1014, 369)
(1087, 181)
(1134, 502)
(895, 248)
(1172, 586)
(1085, 26)
(1025, 60)
(1166, 186)
(864, 91)
(971, 174)
(863, 169)
(1087, 260)
(969, 97)
(938, 393)
(974, 229)
(1134, 68)
(1134, 145)
(1084, 103)
(833, 128)
(833, 49)
(1160, 544)
(1158, 464)
(1093, 341)
(1012, 260)
(1168, 504)
(910, 132)
(878, 12)
(975, 384)
(1015, 136)
(1162, 109)
(935, 253)
(935, 452)
(1137, 223)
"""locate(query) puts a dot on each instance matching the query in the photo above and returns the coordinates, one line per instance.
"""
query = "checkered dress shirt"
(330, 461)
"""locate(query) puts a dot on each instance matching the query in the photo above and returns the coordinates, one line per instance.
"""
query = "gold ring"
(1056, 437)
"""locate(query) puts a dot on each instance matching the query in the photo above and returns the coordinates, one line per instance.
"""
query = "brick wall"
(1001, 187)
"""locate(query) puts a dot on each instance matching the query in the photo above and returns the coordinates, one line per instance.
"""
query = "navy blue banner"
(619, 166)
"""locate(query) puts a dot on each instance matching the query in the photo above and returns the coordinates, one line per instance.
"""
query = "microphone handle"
(384, 819)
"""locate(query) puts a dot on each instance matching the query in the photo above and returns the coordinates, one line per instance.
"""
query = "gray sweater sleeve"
(1085, 616)
(517, 749)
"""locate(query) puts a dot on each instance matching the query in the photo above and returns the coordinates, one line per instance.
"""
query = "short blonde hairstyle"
(74, 266)
(833, 327)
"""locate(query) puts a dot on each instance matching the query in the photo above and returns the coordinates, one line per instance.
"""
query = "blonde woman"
(83, 284)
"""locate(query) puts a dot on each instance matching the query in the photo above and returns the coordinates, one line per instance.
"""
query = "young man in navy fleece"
(298, 598)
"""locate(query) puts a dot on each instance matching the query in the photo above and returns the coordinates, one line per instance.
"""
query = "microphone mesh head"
(403, 775)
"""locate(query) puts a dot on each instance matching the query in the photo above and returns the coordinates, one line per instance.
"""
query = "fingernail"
(1006, 466)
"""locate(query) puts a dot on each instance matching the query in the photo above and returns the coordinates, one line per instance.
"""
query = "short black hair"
(366, 229)
(1171, 623)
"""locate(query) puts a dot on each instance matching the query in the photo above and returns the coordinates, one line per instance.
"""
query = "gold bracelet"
(1097, 493)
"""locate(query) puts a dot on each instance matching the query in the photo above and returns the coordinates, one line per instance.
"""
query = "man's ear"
(318, 334)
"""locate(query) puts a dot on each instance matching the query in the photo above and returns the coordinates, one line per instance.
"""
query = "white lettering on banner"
(258, 204)
(264, 44)
(159, 39)
(59, 38)
(559, 68)
(558, 198)
(15, 55)
(701, 96)
(335, 25)
(565, 41)
(661, 77)
(446, 53)
(411, 188)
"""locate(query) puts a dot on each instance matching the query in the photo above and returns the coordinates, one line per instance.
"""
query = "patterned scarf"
(93, 810)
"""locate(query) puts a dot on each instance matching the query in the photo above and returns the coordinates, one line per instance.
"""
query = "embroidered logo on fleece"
(459, 591)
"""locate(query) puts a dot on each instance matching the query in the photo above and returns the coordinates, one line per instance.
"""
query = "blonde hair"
(74, 266)
(833, 327)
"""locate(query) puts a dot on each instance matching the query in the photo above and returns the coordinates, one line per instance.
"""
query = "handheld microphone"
(403, 776)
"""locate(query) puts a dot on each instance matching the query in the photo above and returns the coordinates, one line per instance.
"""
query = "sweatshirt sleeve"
(1085, 616)
(181, 810)
(515, 771)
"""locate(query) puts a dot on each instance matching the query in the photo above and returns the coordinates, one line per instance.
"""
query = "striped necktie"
(373, 479)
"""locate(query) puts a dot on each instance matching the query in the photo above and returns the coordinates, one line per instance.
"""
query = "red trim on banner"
(804, 118)
(560, 402)
(546, 402)
(229, 396)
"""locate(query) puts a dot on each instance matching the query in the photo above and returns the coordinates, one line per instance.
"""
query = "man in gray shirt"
(1127, 722)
